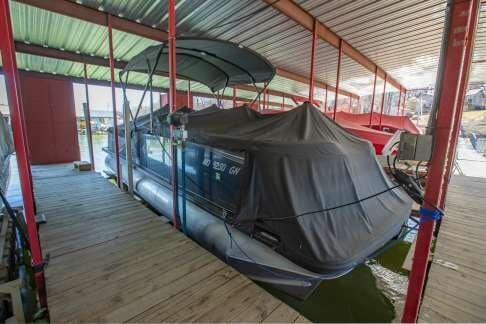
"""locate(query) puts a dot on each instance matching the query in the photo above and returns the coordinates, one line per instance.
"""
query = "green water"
(372, 292)
(369, 293)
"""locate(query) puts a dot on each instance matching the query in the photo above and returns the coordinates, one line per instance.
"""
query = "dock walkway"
(456, 286)
(112, 259)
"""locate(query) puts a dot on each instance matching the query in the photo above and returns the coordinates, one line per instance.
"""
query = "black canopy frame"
(215, 63)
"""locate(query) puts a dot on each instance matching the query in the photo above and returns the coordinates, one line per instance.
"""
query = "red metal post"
(113, 101)
(283, 102)
(88, 117)
(340, 54)
(462, 94)
(382, 101)
(172, 100)
(446, 127)
(234, 97)
(373, 96)
(189, 93)
(313, 56)
(12, 82)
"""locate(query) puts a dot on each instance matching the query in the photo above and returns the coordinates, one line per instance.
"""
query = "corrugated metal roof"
(478, 70)
(403, 37)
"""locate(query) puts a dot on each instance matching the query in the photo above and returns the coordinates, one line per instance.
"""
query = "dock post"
(456, 63)
(382, 101)
(373, 96)
(128, 145)
(172, 104)
(113, 101)
(87, 118)
(313, 57)
(338, 75)
(12, 82)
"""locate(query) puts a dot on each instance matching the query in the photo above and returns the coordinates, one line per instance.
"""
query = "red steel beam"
(234, 97)
(473, 22)
(306, 20)
(100, 61)
(313, 56)
(373, 97)
(109, 18)
(338, 75)
(74, 10)
(172, 102)
(382, 100)
(12, 82)
(446, 126)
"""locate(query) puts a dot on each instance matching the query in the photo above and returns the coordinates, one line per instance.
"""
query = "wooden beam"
(74, 10)
(306, 20)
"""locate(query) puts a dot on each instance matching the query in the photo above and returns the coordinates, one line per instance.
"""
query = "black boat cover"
(214, 63)
(300, 163)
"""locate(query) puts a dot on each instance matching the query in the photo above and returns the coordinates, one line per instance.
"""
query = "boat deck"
(456, 286)
(112, 259)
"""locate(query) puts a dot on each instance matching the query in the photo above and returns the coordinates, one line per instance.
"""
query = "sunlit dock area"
(456, 287)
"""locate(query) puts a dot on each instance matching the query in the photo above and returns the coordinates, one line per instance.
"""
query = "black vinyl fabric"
(214, 63)
(299, 162)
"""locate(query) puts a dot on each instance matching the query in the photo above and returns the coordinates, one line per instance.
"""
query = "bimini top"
(214, 63)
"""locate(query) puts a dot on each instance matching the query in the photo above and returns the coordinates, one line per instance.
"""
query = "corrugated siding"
(403, 37)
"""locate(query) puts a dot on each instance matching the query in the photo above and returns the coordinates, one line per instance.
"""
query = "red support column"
(373, 96)
(446, 126)
(382, 101)
(189, 93)
(283, 102)
(88, 117)
(462, 94)
(113, 101)
(340, 54)
(234, 97)
(172, 100)
(12, 82)
(313, 56)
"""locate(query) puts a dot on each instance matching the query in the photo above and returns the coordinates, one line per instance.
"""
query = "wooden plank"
(113, 259)
(456, 286)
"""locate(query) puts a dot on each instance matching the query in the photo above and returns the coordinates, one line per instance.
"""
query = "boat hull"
(249, 256)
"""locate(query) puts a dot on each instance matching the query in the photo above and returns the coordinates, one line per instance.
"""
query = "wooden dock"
(456, 286)
(112, 259)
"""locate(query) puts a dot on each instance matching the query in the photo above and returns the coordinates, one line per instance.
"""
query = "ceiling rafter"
(100, 61)
(298, 14)
(74, 10)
